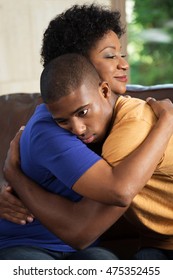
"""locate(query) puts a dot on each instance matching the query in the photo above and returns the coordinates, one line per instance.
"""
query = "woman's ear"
(105, 89)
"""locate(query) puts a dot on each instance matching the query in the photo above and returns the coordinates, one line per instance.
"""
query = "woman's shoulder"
(133, 108)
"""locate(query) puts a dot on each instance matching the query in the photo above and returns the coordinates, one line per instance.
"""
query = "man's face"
(86, 112)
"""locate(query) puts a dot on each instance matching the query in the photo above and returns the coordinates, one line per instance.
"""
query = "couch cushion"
(15, 110)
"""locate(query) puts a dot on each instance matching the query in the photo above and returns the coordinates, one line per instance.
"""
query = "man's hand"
(160, 107)
(11, 208)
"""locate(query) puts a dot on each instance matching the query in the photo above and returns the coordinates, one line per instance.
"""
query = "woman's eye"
(83, 112)
(111, 56)
(116, 56)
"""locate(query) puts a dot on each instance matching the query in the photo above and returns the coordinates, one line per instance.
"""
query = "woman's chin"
(121, 90)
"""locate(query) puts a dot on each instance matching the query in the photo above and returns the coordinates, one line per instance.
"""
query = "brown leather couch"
(17, 108)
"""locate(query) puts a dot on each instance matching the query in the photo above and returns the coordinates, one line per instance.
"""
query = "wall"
(22, 23)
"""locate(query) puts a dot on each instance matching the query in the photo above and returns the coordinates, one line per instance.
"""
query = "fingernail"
(149, 98)
(22, 127)
(29, 219)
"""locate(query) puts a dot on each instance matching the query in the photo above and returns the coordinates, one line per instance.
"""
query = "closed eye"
(112, 56)
(116, 56)
(61, 121)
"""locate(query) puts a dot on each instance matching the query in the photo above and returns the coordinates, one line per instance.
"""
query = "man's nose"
(78, 128)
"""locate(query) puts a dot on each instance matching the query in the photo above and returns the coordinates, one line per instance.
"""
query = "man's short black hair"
(66, 73)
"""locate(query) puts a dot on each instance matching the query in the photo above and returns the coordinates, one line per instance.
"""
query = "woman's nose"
(123, 64)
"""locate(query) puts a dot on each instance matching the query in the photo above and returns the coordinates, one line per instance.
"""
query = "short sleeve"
(60, 152)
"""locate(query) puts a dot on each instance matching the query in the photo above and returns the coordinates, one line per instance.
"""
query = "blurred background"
(148, 40)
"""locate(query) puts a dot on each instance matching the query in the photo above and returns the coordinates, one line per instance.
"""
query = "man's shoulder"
(41, 127)
(41, 118)
(41, 112)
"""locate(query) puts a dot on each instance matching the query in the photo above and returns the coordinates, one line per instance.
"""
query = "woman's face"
(108, 60)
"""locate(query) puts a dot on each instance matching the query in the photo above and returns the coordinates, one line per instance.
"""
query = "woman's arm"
(79, 224)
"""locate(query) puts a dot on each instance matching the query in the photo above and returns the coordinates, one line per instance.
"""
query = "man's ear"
(105, 89)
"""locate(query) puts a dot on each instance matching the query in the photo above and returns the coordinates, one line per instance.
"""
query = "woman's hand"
(11, 207)
(12, 161)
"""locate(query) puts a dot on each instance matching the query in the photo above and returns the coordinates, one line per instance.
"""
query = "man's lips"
(88, 140)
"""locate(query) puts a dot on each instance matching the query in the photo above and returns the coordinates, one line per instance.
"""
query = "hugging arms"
(76, 223)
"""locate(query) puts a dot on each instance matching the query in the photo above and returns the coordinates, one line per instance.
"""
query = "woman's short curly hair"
(77, 29)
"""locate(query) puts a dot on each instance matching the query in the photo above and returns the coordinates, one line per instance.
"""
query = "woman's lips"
(122, 79)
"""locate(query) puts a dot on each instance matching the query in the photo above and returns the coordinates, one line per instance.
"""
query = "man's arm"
(77, 223)
(131, 130)
(123, 181)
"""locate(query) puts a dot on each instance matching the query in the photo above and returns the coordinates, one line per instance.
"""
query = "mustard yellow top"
(152, 209)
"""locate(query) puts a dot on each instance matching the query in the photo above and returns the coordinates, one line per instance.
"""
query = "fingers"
(14, 213)
(150, 99)
(18, 135)
(127, 96)
(12, 160)
(161, 107)
(22, 128)
(8, 199)
(8, 189)
(17, 218)
(168, 100)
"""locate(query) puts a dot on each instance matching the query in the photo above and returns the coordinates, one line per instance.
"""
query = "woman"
(94, 32)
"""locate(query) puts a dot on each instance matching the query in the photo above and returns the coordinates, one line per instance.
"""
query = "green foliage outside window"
(150, 42)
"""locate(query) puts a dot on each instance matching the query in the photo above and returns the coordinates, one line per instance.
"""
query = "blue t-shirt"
(55, 159)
